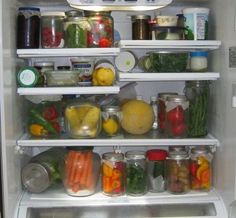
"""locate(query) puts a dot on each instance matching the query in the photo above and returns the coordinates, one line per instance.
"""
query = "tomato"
(50, 113)
(56, 126)
(176, 115)
(104, 42)
(179, 129)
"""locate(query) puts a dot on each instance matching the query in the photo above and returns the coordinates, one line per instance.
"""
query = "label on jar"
(27, 77)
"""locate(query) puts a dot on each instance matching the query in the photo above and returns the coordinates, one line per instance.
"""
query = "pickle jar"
(111, 118)
(52, 30)
(197, 92)
(201, 168)
(113, 174)
(136, 173)
(156, 170)
(101, 34)
(177, 172)
(81, 171)
(176, 116)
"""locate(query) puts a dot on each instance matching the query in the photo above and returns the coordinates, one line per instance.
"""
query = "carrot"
(106, 184)
(68, 165)
(75, 187)
(90, 179)
(79, 170)
(85, 168)
(73, 169)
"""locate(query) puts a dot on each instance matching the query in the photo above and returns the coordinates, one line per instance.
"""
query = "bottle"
(154, 105)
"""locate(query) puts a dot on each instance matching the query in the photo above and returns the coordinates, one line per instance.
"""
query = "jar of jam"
(28, 27)
(42, 67)
(140, 27)
(136, 173)
(52, 30)
(176, 116)
(200, 168)
(113, 174)
(101, 34)
(177, 172)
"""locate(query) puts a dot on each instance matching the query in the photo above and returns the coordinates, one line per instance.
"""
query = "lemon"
(104, 77)
(110, 126)
(94, 78)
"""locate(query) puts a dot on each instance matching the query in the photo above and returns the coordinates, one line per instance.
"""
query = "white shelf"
(125, 77)
(184, 45)
(69, 90)
(67, 52)
(150, 139)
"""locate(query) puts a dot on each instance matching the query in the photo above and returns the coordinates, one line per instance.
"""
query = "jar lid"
(177, 98)
(199, 54)
(28, 9)
(44, 64)
(156, 154)
(177, 148)
(178, 155)
(111, 156)
(28, 76)
(164, 95)
(80, 148)
(97, 13)
(53, 13)
(135, 155)
(63, 67)
(74, 13)
(141, 17)
(200, 150)
(111, 108)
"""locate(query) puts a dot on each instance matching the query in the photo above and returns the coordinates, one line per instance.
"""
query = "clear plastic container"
(83, 120)
(81, 171)
(201, 168)
(52, 30)
(169, 33)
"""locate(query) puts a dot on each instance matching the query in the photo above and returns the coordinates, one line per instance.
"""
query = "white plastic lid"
(196, 10)
(44, 64)
(125, 61)
(53, 13)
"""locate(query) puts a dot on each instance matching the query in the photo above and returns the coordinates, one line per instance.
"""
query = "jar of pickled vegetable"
(156, 170)
(111, 118)
(52, 31)
(177, 172)
(81, 171)
(177, 116)
(42, 67)
(76, 28)
(136, 173)
(200, 168)
(113, 174)
(101, 34)
(197, 92)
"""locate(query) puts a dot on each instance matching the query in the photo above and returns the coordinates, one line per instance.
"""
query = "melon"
(137, 117)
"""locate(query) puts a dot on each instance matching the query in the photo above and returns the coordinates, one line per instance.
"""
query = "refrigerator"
(17, 148)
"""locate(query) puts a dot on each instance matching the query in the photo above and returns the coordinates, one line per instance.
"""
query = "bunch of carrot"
(79, 170)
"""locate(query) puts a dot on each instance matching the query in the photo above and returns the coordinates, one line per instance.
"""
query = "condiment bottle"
(200, 168)
(136, 173)
(198, 61)
(140, 27)
(156, 170)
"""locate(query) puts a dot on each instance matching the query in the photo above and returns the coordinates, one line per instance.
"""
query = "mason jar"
(177, 172)
(141, 27)
(201, 168)
(113, 174)
(42, 67)
(177, 116)
(198, 61)
(136, 173)
(197, 93)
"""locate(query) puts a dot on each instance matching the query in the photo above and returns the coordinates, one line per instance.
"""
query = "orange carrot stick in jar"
(73, 169)
(85, 169)
(90, 177)
(80, 168)
(68, 165)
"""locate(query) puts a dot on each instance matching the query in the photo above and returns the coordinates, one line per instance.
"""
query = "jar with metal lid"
(76, 28)
(177, 172)
(177, 148)
(113, 174)
(162, 109)
(42, 67)
(156, 170)
(28, 27)
(111, 119)
(198, 61)
(28, 77)
(136, 173)
(140, 27)
(197, 93)
(52, 31)
(101, 34)
(177, 116)
(201, 168)
(43, 170)
(81, 171)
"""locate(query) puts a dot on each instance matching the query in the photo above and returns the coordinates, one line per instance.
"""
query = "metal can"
(140, 27)
(113, 174)
(177, 172)
(200, 168)
(42, 67)
(136, 173)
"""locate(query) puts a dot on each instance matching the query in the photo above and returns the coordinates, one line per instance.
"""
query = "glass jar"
(111, 119)
(162, 109)
(177, 172)
(43, 170)
(81, 171)
(197, 93)
(76, 28)
(52, 31)
(42, 67)
(177, 148)
(136, 173)
(28, 27)
(156, 170)
(198, 61)
(140, 27)
(83, 120)
(101, 34)
(177, 116)
(113, 174)
(200, 168)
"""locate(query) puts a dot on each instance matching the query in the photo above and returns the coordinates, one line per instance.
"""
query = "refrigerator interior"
(221, 125)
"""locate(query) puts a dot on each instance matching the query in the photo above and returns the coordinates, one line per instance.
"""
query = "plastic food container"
(81, 171)
(198, 61)
(83, 120)
(169, 21)
(125, 61)
(62, 78)
(169, 33)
